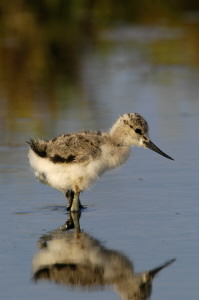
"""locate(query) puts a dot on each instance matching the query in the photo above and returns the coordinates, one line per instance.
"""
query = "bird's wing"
(75, 148)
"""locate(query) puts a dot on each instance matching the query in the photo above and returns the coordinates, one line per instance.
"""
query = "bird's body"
(72, 162)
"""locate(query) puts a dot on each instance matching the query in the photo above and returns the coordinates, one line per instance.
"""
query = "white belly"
(75, 176)
(62, 176)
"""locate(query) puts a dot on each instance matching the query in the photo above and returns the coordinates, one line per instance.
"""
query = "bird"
(71, 162)
(79, 260)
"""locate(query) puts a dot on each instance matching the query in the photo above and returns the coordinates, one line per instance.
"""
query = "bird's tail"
(38, 146)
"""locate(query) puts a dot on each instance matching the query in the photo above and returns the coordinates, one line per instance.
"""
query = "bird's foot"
(68, 207)
(82, 207)
(69, 195)
(74, 203)
(69, 224)
(75, 217)
(76, 208)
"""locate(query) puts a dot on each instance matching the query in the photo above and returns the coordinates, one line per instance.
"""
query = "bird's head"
(132, 129)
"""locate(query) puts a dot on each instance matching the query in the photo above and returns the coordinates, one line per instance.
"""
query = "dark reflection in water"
(77, 259)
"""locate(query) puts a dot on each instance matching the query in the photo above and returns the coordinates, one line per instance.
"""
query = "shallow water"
(149, 208)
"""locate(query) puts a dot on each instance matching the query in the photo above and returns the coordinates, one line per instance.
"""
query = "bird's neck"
(118, 136)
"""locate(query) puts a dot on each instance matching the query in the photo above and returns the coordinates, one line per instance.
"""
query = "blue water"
(148, 209)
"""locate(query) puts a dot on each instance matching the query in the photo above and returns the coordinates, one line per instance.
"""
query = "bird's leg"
(75, 218)
(76, 203)
(80, 205)
(70, 196)
(69, 223)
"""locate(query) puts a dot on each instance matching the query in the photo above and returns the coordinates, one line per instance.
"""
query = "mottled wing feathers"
(60, 159)
(70, 148)
(79, 147)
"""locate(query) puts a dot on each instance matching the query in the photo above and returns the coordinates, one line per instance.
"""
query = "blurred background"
(62, 59)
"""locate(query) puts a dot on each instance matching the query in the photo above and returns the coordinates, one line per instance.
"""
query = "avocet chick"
(72, 162)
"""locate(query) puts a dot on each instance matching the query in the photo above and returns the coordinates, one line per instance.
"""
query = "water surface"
(148, 209)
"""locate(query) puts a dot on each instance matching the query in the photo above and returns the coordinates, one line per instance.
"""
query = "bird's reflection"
(77, 259)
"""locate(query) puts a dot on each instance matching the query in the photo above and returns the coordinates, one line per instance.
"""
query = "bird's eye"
(138, 131)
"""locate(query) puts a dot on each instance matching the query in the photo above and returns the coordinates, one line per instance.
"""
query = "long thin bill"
(158, 269)
(153, 147)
